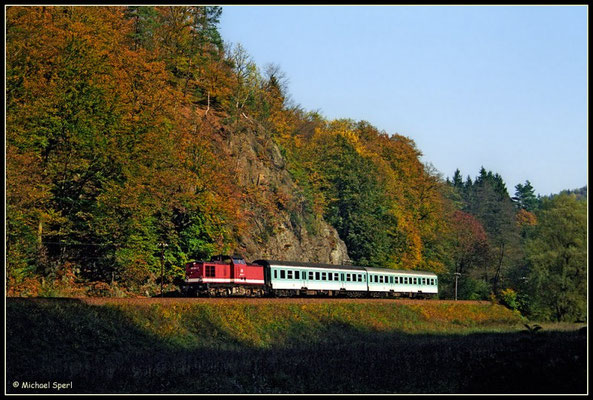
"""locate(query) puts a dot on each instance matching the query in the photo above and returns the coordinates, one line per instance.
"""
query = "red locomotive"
(224, 276)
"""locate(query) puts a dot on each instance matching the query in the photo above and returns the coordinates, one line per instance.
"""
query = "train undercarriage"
(231, 290)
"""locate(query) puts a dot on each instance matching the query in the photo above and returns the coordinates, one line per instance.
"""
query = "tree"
(470, 244)
(457, 180)
(557, 256)
(525, 198)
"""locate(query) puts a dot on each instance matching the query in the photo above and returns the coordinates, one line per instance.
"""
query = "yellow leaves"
(525, 218)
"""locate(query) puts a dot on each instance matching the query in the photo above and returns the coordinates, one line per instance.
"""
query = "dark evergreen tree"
(525, 197)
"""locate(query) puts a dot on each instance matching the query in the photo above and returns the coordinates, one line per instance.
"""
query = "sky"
(503, 87)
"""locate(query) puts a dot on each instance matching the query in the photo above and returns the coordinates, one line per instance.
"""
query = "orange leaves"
(525, 218)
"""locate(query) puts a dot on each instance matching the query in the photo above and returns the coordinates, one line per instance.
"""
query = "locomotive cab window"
(210, 271)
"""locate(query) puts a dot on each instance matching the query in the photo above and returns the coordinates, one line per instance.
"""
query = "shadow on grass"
(102, 349)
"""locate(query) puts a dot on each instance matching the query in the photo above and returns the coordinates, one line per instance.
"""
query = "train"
(230, 276)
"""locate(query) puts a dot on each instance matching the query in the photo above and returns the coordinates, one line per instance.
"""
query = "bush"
(508, 298)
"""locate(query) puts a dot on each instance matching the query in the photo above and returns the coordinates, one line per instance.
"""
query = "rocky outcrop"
(277, 228)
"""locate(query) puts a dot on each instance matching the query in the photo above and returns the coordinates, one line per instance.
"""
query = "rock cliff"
(277, 227)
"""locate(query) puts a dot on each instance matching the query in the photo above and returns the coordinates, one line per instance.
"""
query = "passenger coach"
(290, 278)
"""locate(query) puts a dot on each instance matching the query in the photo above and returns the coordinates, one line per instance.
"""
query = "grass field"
(286, 346)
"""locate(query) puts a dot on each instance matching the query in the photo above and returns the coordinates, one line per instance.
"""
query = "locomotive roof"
(333, 266)
(305, 264)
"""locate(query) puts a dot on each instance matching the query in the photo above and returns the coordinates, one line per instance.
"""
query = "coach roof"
(306, 265)
(398, 271)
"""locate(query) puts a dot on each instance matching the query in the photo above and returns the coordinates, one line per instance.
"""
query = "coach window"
(323, 276)
(342, 276)
(311, 275)
(289, 274)
(316, 276)
(297, 275)
(275, 274)
(282, 274)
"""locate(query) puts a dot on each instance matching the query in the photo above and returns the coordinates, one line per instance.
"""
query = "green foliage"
(557, 255)
(358, 207)
(508, 297)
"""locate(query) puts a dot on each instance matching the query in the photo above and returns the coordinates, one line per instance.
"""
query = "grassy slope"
(296, 347)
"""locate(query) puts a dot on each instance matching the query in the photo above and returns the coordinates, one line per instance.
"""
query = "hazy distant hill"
(580, 193)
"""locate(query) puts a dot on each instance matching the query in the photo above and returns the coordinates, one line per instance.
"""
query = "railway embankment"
(283, 346)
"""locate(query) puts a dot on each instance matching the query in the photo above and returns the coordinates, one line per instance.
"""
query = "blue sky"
(499, 87)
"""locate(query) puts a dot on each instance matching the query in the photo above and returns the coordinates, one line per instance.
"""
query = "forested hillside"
(136, 134)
